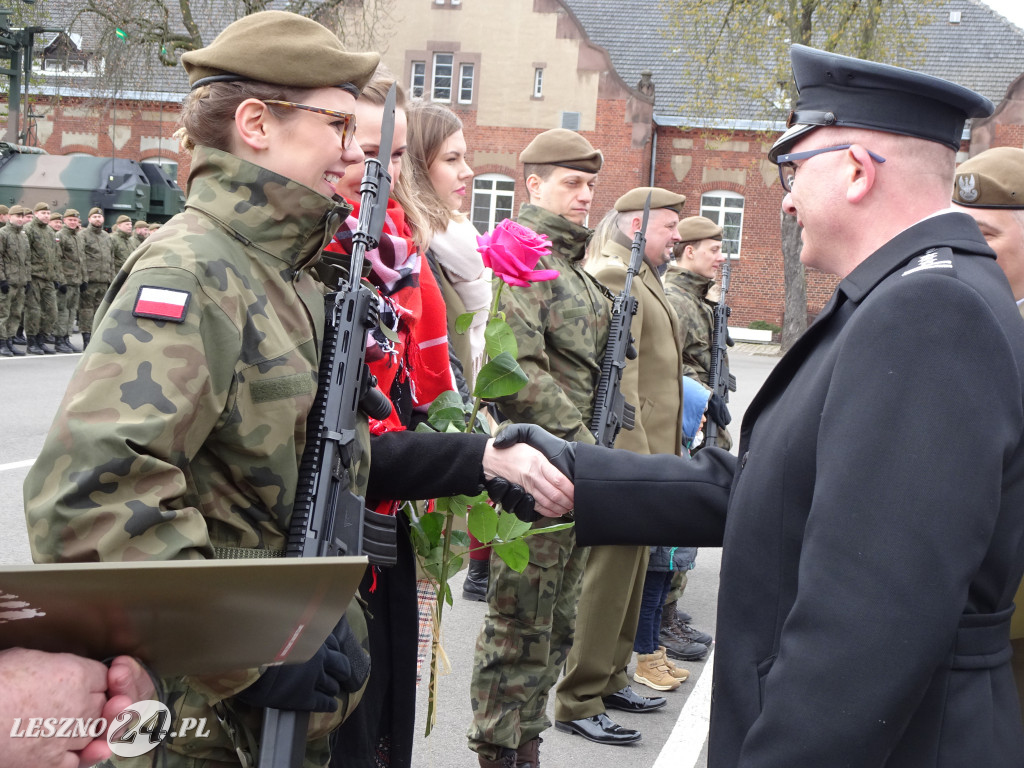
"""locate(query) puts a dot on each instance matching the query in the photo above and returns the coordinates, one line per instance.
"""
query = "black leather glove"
(5, 287)
(308, 687)
(559, 452)
(82, 287)
(718, 411)
(512, 497)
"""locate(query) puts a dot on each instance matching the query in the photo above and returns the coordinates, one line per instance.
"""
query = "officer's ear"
(861, 170)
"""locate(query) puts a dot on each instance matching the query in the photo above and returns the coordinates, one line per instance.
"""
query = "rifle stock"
(611, 411)
(328, 518)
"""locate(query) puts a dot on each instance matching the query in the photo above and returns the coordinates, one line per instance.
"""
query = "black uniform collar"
(954, 230)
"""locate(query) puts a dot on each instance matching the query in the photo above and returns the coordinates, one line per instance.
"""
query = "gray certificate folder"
(182, 617)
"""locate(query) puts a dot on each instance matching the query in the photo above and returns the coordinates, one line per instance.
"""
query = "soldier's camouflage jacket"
(14, 265)
(71, 250)
(44, 261)
(561, 328)
(97, 261)
(181, 438)
(121, 247)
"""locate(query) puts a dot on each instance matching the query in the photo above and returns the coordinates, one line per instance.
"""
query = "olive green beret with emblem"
(564, 148)
(635, 199)
(4, 210)
(94, 211)
(56, 216)
(19, 210)
(694, 228)
(71, 213)
(41, 207)
(992, 179)
(122, 219)
(280, 48)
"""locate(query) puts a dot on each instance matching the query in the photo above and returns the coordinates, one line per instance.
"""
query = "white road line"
(17, 465)
(685, 743)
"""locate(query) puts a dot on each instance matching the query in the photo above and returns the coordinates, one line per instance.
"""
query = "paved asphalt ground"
(30, 392)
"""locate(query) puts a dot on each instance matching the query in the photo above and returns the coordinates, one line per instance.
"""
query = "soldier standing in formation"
(139, 233)
(14, 274)
(121, 243)
(97, 268)
(72, 265)
(41, 293)
(561, 327)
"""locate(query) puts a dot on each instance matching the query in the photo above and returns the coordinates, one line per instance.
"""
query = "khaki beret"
(4, 210)
(564, 148)
(153, 227)
(41, 207)
(635, 199)
(56, 216)
(122, 219)
(71, 213)
(19, 210)
(140, 223)
(992, 179)
(280, 48)
(694, 228)
(93, 211)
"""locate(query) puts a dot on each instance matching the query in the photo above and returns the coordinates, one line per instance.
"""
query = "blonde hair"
(375, 92)
(208, 114)
(430, 126)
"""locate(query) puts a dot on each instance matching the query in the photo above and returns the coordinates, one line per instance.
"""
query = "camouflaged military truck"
(28, 175)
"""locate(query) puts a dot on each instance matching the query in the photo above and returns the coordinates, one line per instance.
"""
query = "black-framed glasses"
(344, 122)
(787, 163)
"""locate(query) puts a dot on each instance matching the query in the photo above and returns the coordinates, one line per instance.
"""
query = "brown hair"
(430, 125)
(208, 114)
(376, 92)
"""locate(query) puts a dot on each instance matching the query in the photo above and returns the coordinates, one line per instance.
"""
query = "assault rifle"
(328, 518)
(720, 380)
(611, 411)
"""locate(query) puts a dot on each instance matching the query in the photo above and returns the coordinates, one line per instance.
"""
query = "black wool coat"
(872, 528)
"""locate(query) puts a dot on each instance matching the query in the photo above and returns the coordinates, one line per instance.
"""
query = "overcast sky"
(1011, 9)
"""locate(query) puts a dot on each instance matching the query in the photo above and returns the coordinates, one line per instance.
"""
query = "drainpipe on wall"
(654, 148)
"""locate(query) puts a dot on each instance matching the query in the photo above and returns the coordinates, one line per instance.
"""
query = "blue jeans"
(656, 588)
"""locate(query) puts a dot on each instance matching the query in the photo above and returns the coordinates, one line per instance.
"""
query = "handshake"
(530, 472)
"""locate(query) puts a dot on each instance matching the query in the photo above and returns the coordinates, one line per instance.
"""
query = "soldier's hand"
(718, 411)
(559, 452)
(5, 287)
(518, 461)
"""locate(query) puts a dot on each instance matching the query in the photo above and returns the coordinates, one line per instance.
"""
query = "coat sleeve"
(908, 478)
(425, 465)
(627, 498)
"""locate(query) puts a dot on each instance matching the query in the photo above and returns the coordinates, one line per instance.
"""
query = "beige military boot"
(680, 674)
(652, 671)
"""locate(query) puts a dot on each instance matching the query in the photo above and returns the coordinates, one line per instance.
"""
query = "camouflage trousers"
(40, 307)
(67, 310)
(10, 318)
(524, 641)
(90, 301)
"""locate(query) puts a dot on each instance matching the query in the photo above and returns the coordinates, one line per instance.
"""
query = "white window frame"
(417, 79)
(484, 206)
(538, 82)
(437, 78)
(726, 212)
(466, 69)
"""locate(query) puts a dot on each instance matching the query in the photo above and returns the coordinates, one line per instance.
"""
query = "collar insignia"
(930, 260)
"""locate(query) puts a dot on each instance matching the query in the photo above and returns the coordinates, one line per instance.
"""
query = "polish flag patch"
(161, 303)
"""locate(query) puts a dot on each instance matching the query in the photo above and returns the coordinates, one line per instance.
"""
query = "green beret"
(71, 213)
(694, 228)
(93, 211)
(564, 148)
(635, 199)
(56, 216)
(280, 48)
(155, 226)
(41, 207)
(19, 210)
(4, 210)
(122, 219)
(141, 223)
(992, 179)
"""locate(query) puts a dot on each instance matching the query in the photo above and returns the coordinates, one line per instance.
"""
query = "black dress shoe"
(599, 728)
(629, 700)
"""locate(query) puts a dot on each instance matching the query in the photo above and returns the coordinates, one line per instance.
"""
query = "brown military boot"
(652, 671)
(680, 674)
(506, 759)
(528, 754)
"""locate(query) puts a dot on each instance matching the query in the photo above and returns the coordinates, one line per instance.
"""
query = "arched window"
(725, 208)
(493, 197)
